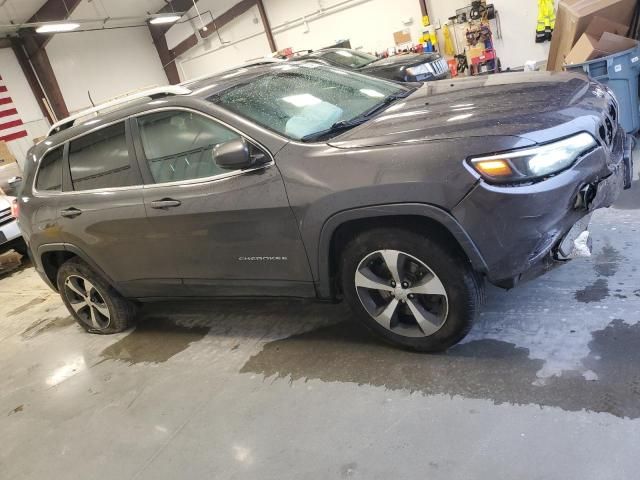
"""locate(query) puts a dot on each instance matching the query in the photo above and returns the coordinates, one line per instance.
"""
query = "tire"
(440, 288)
(93, 303)
(20, 248)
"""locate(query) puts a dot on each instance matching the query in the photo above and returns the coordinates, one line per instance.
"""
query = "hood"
(526, 105)
(405, 60)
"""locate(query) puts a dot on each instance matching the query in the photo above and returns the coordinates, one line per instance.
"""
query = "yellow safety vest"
(546, 16)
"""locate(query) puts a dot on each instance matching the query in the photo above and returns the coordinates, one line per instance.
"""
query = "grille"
(5, 216)
(439, 66)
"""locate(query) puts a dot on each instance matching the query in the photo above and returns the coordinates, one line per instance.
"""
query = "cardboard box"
(611, 43)
(6, 157)
(473, 52)
(585, 49)
(600, 25)
(402, 37)
(589, 47)
(573, 18)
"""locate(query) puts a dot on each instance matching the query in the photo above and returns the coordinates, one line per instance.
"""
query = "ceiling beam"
(234, 12)
(167, 56)
(267, 26)
(29, 49)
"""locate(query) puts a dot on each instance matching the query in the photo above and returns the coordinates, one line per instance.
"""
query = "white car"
(10, 235)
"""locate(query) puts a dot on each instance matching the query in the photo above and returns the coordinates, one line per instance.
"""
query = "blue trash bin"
(620, 73)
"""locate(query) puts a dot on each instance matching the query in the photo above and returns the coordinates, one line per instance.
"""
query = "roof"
(193, 92)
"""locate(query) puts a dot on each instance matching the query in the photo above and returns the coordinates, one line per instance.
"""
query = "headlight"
(423, 69)
(533, 163)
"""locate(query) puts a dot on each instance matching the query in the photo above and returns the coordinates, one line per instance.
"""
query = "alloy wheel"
(401, 293)
(87, 301)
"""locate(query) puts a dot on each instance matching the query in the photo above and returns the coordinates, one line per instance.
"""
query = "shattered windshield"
(302, 99)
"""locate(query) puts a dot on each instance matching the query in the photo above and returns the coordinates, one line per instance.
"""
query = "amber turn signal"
(494, 168)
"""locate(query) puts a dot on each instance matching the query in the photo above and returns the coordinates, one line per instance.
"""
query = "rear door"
(102, 211)
(230, 233)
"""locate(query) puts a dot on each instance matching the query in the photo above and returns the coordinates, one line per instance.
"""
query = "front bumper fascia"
(519, 229)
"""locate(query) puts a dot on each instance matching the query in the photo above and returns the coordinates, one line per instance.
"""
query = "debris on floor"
(9, 261)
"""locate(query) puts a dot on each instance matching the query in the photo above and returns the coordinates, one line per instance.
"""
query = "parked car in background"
(10, 178)
(406, 67)
(10, 236)
(299, 180)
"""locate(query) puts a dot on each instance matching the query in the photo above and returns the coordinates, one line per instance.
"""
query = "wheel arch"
(52, 256)
(339, 228)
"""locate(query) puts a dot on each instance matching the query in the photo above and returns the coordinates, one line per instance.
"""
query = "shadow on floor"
(486, 369)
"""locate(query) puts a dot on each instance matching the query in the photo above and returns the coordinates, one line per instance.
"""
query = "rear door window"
(101, 160)
(50, 172)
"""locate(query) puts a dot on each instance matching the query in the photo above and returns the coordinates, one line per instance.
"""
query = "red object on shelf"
(486, 57)
(485, 63)
(453, 67)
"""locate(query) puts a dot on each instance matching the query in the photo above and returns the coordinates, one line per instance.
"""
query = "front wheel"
(94, 304)
(411, 290)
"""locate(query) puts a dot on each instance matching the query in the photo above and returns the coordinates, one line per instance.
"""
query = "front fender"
(391, 210)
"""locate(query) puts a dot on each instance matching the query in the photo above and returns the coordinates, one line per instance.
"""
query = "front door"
(230, 233)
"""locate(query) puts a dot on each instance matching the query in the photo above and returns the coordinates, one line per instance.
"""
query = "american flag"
(11, 127)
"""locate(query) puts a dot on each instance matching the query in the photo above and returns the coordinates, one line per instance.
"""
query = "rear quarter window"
(49, 176)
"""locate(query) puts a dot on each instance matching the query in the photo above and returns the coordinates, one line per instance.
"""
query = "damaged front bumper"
(525, 231)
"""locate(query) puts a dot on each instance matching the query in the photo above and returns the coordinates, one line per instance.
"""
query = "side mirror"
(236, 155)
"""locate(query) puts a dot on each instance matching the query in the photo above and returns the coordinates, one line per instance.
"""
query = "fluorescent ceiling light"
(302, 100)
(369, 92)
(57, 27)
(164, 19)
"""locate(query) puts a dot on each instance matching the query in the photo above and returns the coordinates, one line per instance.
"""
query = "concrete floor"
(547, 385)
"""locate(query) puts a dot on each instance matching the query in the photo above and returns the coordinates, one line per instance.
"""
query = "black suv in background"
(404, 67)
(296, 179)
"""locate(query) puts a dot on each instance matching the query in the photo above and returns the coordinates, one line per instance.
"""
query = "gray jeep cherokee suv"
(304, 180)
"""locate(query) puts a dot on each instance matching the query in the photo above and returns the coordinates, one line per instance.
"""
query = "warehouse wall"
(518, 20)
(107, 63)
(24, 102)
(369, 24)
(244, 34)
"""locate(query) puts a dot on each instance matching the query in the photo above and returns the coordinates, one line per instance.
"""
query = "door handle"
(71, 212)
(165, 203)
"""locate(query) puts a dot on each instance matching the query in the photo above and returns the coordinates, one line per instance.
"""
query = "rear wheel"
(412, 291)
(92, 302)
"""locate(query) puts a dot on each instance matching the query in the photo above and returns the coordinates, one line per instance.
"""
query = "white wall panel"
(244, 40)
(368, 24)
(210, 61)
(107, 63)
(18, 87)
(209, 10)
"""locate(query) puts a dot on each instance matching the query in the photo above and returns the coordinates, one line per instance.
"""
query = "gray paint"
(408, 160)
(169, 402)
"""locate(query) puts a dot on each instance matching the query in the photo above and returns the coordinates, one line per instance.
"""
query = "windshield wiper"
(335, 128)
(387, 100)
(360, 119)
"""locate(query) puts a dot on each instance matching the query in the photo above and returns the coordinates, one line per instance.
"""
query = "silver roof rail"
(152, 92)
